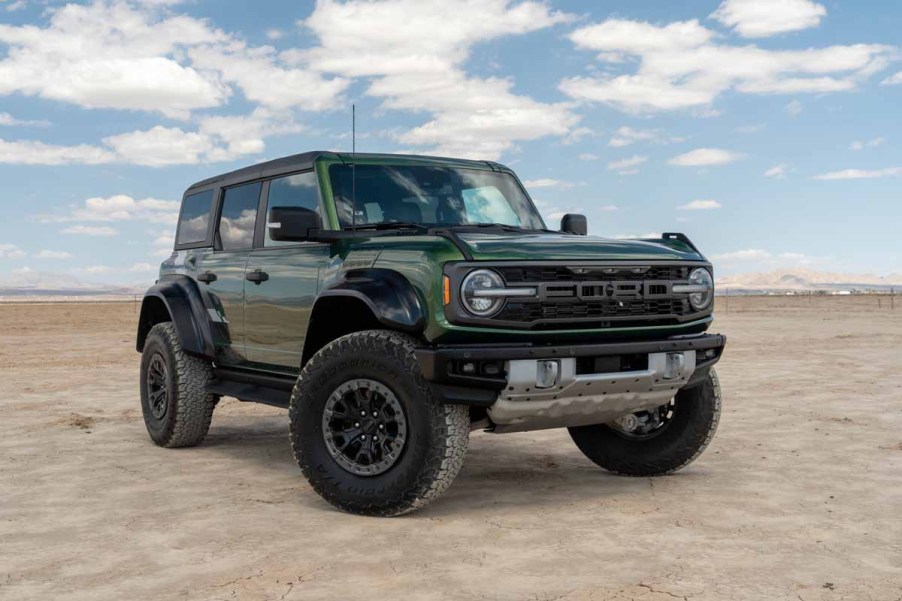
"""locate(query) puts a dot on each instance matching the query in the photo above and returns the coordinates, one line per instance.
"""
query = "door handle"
(207, 277)
(257, 276)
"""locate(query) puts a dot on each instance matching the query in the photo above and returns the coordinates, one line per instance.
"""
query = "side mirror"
(292, 224)
(572, 223)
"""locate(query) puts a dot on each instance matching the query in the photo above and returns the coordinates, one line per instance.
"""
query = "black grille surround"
(595, 295)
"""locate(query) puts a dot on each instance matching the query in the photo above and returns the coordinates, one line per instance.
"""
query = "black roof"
(300, 162)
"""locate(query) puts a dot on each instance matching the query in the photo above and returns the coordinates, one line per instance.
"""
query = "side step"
(248, 386)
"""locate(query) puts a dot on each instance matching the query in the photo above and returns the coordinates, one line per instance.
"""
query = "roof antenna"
(353, 167)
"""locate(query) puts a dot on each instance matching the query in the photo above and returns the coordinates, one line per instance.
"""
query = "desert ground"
(799, 496)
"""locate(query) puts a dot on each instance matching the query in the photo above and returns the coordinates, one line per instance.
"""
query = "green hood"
(540, 247)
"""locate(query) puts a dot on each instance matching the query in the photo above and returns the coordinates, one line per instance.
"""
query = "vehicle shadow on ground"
(499, 471)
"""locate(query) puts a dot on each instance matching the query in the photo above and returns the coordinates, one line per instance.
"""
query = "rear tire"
(422, 444)
(696, 413)
(176, 406)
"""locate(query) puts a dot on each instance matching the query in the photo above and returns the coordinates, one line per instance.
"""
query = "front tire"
(694, 414)
(176, 406)
(366, 431)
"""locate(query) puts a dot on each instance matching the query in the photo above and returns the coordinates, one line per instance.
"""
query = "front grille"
(590, 273)
(595, 296)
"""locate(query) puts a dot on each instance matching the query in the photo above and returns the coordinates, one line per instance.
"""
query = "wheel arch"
(177, 299)
(364, 299)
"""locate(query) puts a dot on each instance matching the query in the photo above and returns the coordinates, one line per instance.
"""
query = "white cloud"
(763, 18)
(860, 173)
(119, 207)
(115, 55)
(160, 146)
(11, 251)
(26, 152)
(700, 205)
(794, 108)
(778, 171)
(892, 80)
(218, 138)
(274, 33)
(703, 157)
(53, 254)
(683, 65)
(414, 54)
(588, 156)
(9, 120)
(90, 230)
(861, 145)
(627, 135)
(111, 55)
(627, 166)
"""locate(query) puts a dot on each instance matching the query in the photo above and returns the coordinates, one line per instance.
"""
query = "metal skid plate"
(578, 400)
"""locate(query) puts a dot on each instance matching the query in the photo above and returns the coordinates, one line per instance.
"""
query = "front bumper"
(595, 383)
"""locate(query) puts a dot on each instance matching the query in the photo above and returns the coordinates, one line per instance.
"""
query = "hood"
(544, 246)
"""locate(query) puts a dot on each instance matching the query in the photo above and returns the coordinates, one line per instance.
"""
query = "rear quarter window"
(194, 220)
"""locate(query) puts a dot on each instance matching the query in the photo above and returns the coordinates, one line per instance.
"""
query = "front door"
(283, 282)
(221, 271)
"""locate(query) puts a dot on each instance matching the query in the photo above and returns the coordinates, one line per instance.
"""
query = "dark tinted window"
(297, 190)
(239, 216)
(195, 218)
(445, 196)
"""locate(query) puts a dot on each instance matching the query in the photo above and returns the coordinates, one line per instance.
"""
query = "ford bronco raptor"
(395, 303)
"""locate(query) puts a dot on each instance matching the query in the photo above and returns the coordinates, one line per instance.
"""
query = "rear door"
(285, 275)
(221, 270)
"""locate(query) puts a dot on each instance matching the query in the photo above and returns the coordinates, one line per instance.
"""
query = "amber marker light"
(446, 290)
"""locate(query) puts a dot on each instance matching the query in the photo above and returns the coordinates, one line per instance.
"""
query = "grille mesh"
(535, 311)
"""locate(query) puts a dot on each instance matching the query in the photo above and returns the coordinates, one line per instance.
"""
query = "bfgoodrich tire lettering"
(696, 414)
(437, 434)
(183, 418)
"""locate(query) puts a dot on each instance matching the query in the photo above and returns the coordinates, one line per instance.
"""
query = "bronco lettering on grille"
(602, 290)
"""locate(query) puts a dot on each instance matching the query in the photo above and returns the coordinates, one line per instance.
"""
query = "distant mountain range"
(806, 279)
(41, 284)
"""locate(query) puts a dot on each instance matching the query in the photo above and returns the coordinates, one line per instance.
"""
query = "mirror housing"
(292, 224)
(573, 223)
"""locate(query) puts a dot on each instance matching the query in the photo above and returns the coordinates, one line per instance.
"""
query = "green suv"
(395, 303)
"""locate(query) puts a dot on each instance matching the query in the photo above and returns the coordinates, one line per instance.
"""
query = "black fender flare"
(183, 302)
(390, 296)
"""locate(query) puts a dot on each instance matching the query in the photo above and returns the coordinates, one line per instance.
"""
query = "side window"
(239, 216)
(297, 191)
(194, 218)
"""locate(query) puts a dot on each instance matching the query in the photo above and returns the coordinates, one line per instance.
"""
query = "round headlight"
(701, 277)
(481, 280)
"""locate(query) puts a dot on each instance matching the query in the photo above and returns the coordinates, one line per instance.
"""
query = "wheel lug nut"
(356, 424)
(381, 427)
(375, 414)
(363, 437)
(363, 413)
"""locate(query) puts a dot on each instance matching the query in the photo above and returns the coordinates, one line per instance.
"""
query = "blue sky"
(767, 130)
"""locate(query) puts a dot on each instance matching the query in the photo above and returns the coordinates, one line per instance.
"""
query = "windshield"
(432, 196)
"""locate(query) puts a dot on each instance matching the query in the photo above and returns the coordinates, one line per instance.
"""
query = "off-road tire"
(437, 434)
(691, 429)
(189, 407)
